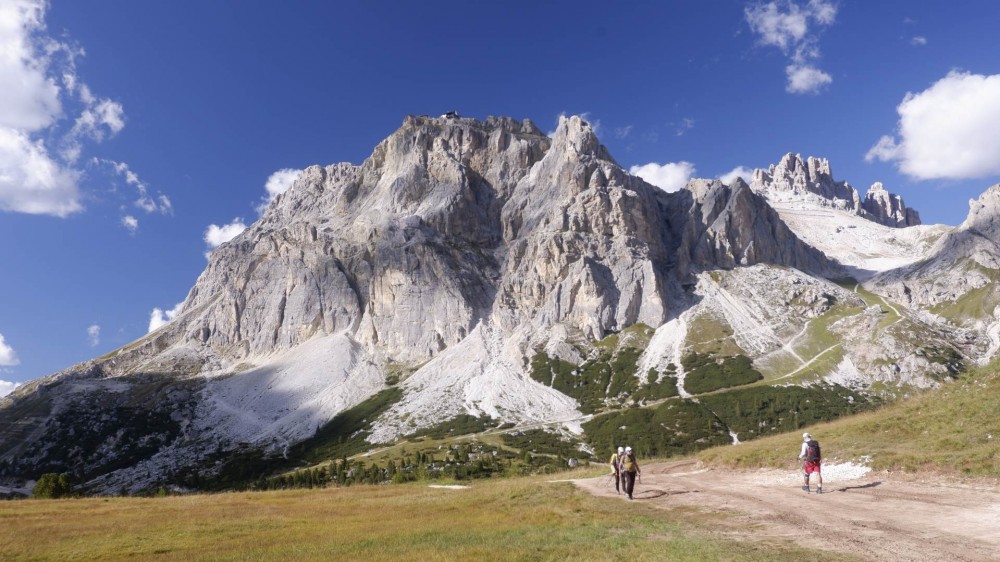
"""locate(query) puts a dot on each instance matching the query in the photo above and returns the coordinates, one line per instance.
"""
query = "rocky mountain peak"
(793, 175)
(794, 179)
(984, 213)
(577, 134)
(441, 264)
(734, 226)
(888, 209)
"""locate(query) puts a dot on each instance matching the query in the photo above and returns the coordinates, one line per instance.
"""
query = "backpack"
(628, 463)
(812, 451)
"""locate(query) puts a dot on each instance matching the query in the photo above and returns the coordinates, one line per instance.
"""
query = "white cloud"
(669, 177)
(595, 124)
(149, 203)
(29, 99)
(793, 28)
(7, 387)
(94, 335)
(39, 141)
(776, 27)
(918, 41)
(885, 149)
(950, 130)
(31, 181)
(685, 125)
(622, 132)
(805, 79)
(216, 235)
(8, 358)
(166, 207)
(101, 119)
(159, 318)
(737, 172)
(276, 184)
(130, 223)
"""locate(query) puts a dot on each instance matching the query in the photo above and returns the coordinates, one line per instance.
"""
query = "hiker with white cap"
(810, 455)
(616, 460)
(629, 469)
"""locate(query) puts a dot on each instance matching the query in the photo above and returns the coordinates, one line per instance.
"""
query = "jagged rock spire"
(812, 179)
(887, 208)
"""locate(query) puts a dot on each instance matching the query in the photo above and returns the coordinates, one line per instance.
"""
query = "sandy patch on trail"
(873, 516)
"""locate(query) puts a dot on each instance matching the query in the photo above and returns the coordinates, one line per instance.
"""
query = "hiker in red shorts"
(810, 454)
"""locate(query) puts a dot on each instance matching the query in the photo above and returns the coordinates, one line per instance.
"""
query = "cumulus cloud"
(948, 131)
(130, 223)
(216, 235)
(918, 41)
(94, 335)
(7, 387)
(737, 172)
(8, 358)
(159, 318)
(99, 119)
(669, 177)
(30, 98)
(31, 180)
(805, 79)
(276, 184)
(794, 28)
(48, 115)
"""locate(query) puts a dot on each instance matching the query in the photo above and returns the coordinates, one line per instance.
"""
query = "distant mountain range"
(483, 269)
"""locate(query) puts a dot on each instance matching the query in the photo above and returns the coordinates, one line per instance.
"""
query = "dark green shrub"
(705, 373)
(53, 486)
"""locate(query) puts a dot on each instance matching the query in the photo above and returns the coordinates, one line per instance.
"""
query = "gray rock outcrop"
(451, 222)
(812, 179)
(888, 209)
(964, 260)
(731, 226)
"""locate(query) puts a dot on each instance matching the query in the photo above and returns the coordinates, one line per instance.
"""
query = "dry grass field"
(510, 519)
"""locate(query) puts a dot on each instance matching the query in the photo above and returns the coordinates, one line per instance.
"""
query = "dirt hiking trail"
(875, 516)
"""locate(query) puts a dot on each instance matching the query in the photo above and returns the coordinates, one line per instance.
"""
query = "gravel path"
(871, 516)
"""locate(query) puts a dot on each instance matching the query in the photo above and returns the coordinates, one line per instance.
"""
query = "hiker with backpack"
(629, 469)
(811, 457)
(615, 465)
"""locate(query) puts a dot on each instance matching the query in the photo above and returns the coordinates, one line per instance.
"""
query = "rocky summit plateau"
(485, 272)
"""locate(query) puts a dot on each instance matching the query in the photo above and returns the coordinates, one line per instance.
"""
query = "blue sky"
(128, 128)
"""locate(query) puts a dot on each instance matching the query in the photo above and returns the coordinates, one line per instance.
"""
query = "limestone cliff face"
(399, 251)
(448, 254)
(732, 226)
(587, 244)
(888, 209)
(812, 180)
(794, 175)
(451, 222)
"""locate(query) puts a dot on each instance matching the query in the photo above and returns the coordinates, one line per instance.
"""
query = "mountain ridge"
(445, 263)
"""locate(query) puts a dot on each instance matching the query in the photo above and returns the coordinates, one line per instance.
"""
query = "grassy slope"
(941, 430)
(511, 519)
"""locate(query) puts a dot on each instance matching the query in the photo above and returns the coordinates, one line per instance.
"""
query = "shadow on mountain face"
(417, 262)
